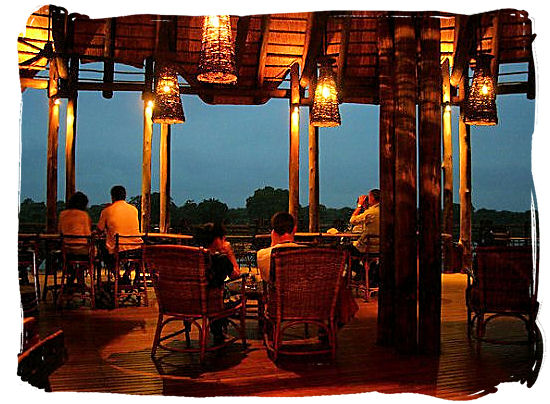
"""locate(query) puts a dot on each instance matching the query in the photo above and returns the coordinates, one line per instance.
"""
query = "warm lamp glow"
(217, 57)
(481, 108)
(447, 108)
(57, 101)
(150, 104)
(167, 105)
(325, 110)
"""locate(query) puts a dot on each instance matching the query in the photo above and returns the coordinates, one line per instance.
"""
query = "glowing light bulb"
(325, 92)
(150, 104)
(166, 88)
(484, 90)
(214, 21)
(448, 108)
(57, 101)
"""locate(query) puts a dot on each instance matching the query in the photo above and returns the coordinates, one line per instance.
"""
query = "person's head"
(118, 193)
(78, 201)
(210, 235)
(374, 196)
(283, 223)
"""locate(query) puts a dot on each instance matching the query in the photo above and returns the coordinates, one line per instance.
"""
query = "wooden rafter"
(307, 40)
(314, 47)
(343, 51)
(240, 41)
(263, 50)
(463, 42)
(108, 53)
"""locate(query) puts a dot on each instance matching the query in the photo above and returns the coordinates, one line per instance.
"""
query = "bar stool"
(53, 261)
(363, 285)
(81, 264)
(129, 257)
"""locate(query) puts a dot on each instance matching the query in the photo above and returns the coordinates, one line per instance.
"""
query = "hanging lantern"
(217, 57)
(481, 107)
(325, 111)
(167, 108)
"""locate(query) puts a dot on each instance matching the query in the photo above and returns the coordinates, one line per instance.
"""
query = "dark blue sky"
(226, 152)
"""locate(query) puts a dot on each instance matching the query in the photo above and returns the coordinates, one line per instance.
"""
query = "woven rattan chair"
(130, 259)
(181, 287)
(79, 264)
(504, 282)
(303, 289)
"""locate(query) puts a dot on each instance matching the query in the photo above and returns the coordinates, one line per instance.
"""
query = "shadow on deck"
(109, 351)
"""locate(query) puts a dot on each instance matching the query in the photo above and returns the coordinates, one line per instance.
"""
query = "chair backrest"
(81, 244)
(179, 279)
(304, 282)
(506, 278)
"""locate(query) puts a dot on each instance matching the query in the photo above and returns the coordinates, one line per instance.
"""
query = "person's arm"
(357, 217)
(231, 255)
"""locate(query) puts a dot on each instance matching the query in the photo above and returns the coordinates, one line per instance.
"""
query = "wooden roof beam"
(314, 47)
(343, 51)
(109, 53)
(263, 50)
(240, 42)
(464, 40)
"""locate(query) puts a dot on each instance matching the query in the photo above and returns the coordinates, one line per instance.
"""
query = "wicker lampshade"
(168, 108)
(481, 107)
(217, 57)
(325, 111)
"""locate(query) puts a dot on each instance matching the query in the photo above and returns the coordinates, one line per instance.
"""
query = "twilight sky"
(226, 152)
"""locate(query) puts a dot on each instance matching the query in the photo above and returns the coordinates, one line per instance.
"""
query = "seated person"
(119, 218)
(75, 221)
(223, 265)
(367, 214)
(282, 236)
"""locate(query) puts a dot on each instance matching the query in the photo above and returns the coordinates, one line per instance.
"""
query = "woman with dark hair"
(75, 221)
(223, 265)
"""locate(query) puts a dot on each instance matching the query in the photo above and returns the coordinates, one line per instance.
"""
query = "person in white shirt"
(119, 218)
(282, 236)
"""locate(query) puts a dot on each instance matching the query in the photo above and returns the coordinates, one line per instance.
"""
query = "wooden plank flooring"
(109, 351)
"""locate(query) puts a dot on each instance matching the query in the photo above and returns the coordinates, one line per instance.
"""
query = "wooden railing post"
(53, 139)
(447, 168)
(465, 181)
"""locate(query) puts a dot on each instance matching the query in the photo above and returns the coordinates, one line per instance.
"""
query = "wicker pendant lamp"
(217, 57)
(325, 111)
(168, 108)
(481, 107)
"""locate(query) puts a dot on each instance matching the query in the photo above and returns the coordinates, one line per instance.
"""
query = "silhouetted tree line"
(256, 214)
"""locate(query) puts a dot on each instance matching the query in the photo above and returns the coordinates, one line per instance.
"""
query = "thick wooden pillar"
(447, 168)
(53, 139)
(387, 182)
(146, 165)
(294, 143)
(405, 186)
(465, 181)
(313, 177)
(164, 188)
(429, 188)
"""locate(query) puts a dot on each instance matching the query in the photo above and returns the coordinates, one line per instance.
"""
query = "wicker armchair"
(181, 287)
(303, 289)
(504, 282)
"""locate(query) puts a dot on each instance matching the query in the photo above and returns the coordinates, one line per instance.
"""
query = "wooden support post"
(405, 186)
(70, 145)
(294, 143)
(147, 141)
(447, 168)
(465, 182)
(146, 165)
(70, 131)
(429, 178)
(313, 176)
(51, 180)
(108, 53)
(164, 217)
(386, 294)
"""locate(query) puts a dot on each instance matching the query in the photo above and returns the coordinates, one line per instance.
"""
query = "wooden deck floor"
(109, 351)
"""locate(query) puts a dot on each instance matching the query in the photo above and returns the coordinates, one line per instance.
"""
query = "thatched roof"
(267, 45)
